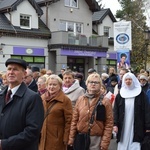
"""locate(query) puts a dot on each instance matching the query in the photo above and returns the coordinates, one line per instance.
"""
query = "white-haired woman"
(58, 114)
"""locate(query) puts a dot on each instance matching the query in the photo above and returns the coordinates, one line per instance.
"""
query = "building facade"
(53, 34)
(22, 33)
(103, 25)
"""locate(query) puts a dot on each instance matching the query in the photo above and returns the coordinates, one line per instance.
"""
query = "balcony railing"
(63, 37)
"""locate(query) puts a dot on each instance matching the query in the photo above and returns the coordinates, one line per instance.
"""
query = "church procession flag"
(123, 42)
(122, 35)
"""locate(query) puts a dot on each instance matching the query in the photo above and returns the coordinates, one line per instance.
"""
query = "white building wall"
(58, 11)
(108, 23)
(10, 42)
(24, 8)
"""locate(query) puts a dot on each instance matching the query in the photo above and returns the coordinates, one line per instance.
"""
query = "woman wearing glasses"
(101, 128)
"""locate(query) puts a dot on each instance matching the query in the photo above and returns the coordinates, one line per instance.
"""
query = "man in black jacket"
(29, 81)
(22, 114)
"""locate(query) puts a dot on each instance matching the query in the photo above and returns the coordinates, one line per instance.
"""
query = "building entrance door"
(76, 64)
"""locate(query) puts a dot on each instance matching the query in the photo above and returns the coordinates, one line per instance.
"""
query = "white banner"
(122, 35)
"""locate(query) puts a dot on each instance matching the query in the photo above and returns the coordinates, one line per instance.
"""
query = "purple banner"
(82, 53)
(28, 51)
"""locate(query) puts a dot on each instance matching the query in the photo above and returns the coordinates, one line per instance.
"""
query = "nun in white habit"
(124, 113)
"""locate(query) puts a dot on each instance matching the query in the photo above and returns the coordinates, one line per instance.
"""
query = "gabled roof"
(6, 28)
(93, 5)
(99, 16)
(11, 5)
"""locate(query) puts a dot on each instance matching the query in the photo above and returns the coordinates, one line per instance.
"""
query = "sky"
(112, 4)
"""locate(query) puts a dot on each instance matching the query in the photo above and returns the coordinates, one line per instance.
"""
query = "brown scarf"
(48, 97)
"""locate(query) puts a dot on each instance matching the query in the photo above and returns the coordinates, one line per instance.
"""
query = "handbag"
(82, 140)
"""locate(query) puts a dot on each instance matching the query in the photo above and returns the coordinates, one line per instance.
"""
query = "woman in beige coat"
(101, 129)
(56, 126)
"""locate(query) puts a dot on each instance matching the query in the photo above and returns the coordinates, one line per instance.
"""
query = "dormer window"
(71, 3)
(25, 21)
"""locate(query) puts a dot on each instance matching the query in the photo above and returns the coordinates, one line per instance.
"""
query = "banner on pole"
(123, 59)
(122, 35)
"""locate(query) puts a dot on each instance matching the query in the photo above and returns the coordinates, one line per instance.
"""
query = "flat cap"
(78, 75)
(20, 62)
(35, 69)
(91, 70)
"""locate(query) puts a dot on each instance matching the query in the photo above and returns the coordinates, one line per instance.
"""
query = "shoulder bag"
(49, 109)
(82, 140)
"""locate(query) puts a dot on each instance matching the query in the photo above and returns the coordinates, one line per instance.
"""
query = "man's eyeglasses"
(94, 82)
(40, 83)
(27, 76)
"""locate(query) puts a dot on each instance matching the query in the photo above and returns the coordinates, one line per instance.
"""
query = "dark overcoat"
(33, 86)
(21, 120)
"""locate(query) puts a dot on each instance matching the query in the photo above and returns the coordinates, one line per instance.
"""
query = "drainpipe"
(47, 4)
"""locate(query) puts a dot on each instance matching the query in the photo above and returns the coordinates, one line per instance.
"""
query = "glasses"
(27, 76)
(40, 83)
(94, 82)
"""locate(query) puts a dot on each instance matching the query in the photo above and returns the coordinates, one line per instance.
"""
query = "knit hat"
(142, 76)
(105, 75)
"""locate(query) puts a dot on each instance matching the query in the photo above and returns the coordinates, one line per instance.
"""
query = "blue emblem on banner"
(122, 38)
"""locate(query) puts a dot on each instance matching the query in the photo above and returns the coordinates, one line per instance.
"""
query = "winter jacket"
(56, 126)
(81, 116)
(74, 92)
(21, 120)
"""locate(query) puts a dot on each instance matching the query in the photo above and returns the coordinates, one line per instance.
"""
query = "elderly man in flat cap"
(36, 73)
(21, 111)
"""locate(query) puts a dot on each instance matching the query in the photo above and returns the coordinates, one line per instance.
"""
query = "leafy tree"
(132, 11)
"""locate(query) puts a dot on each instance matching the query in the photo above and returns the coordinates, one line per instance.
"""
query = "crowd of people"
(41, 110)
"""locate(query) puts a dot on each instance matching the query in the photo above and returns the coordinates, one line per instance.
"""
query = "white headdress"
(130, 91)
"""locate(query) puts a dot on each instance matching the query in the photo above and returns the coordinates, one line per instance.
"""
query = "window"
(71, 3)
(106, 31)
(32, 60)
(71, 27)
(25, 21)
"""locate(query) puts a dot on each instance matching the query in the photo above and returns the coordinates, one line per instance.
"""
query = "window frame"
(74, 25)
(106, 31)
(29, 20)
(71, 3)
